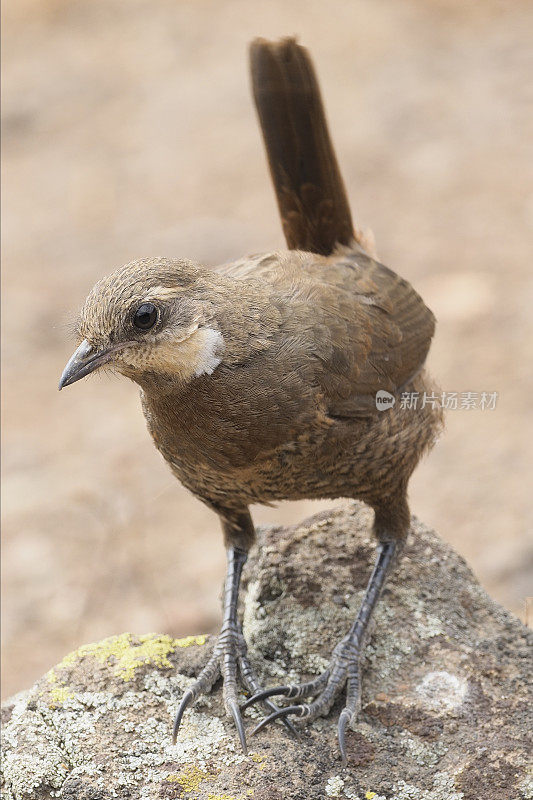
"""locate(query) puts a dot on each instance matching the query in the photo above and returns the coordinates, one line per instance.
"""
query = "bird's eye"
(145, 317)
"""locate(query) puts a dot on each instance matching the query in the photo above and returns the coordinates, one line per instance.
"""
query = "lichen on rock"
(444, 713)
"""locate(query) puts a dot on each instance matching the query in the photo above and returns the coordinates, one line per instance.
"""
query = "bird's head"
(153, 317)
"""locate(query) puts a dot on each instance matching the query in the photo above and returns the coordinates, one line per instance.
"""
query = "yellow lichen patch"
(58, 695)
(189, 778)
(211, 796)
(259, 760)
(125, 652)
(369, 795)
(225, 796)
(189, 640)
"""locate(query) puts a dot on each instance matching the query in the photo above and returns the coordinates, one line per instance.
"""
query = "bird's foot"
(343, 670)
(229, 660)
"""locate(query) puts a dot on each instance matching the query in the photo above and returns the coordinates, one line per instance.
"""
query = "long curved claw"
(300, 711)
(185, 701)
(344, 720)
(237, 719)
(263, 695)
(286, 721)
(252, 685)
(293, 690)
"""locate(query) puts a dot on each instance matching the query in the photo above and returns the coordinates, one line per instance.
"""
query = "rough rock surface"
(445, 690)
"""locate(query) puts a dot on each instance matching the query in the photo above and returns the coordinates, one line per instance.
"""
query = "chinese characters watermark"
(448, 401)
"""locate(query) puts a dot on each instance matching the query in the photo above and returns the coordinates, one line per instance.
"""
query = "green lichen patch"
(188, 779)
(56, 693)
(125, 653)
(59, 695)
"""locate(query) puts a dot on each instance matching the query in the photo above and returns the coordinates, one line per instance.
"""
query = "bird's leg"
(344, 668)
(230, 646)
(229, 655)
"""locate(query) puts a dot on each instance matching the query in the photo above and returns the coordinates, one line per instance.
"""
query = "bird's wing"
(365, 327)
(351, 326)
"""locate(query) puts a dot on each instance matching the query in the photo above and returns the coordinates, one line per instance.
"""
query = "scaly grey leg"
(344, 668)
(229, 648)
(229, 656)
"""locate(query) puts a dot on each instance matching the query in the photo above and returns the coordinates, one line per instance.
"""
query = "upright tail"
(312, 200)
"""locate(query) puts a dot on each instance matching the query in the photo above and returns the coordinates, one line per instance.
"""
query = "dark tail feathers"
(311, 197)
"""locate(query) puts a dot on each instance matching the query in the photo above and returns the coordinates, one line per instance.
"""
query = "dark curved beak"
(85, 360)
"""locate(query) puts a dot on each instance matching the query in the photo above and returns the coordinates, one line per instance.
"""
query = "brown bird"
(259, 378)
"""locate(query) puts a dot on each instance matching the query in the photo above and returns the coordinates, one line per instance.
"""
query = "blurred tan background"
(129, 131)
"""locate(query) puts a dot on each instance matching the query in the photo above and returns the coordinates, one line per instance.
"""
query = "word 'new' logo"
(384, 400)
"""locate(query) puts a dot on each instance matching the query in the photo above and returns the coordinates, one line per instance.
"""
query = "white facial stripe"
(199, 352)
(210, 355)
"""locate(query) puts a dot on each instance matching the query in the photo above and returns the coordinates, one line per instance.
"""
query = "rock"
(445, 691)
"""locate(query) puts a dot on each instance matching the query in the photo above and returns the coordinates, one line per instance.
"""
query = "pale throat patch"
(199, 352)
(209, 348)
